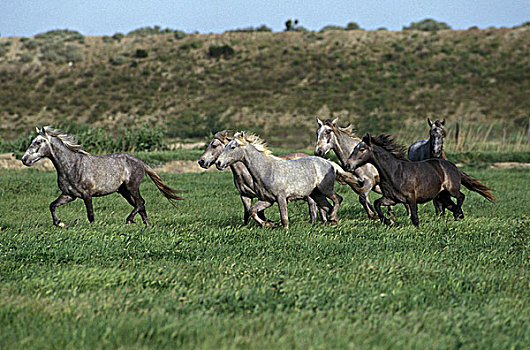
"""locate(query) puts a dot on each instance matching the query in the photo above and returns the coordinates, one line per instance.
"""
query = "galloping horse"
(341, 140)
(410, 183)
(242, 178)
(282, 181)
(82, 175)
(431, 148)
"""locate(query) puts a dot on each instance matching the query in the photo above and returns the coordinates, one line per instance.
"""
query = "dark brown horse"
(410, 183)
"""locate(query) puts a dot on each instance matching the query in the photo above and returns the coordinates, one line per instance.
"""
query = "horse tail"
(474, 185)
(168, 192)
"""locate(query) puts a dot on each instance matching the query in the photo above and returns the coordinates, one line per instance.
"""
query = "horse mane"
(224, 136)
(386, 142)
(69, 141)
(348, 131)
(254, 140)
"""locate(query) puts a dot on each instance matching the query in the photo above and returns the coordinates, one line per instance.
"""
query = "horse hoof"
(61, 224)
(333, 222)
(268, 224)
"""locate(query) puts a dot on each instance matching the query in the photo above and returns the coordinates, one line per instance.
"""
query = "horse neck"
(62, 157)
(344, 146)
(432, 154)
(385, 163)
(257, 163)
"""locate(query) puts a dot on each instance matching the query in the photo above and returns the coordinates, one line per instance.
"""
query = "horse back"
(419, 150)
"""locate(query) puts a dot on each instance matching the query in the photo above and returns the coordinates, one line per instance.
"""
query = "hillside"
(273, 83)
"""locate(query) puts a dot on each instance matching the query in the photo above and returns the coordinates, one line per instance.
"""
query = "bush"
(59, 53)
(62, 34)
(352, 26)
(140, 53)
(331, 27)
(217, 51)
(427, 25)
(144, 31)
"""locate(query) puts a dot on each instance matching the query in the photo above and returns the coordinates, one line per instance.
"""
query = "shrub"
(427, 25)
(217, 51)
(62, 34)
(140, 53)
(118, 60)
(352, 26)
(331, 27)
(144, 31)
(262, 28)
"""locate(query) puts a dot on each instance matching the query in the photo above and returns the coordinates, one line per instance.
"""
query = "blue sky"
(106, 17)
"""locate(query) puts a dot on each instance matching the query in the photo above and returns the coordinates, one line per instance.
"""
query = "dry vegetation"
(273, 83)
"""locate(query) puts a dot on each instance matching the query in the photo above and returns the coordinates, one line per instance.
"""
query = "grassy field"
(198, 279)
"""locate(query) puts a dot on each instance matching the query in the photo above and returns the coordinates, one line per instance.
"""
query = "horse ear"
(39, 132)
(348, 129)
(443, 122)
(319, 122)
(335, 121)
(367, 139)
(429, 121)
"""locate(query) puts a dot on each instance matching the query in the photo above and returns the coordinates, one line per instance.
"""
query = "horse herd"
(371, 164)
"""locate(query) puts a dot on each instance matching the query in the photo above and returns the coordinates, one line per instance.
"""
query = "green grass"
(198, 279)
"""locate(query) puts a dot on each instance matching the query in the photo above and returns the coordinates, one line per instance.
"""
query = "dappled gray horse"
(341, 140)
(242, 178)
(282, 181)
(82, 175)
(431, 148)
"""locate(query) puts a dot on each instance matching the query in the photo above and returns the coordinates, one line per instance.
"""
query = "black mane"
(387, 143)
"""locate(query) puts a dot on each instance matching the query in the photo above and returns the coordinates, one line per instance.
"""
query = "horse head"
(232, 152)
(436, 136)
(361, 154)
(326, 138)
(38, 149)
(214, 149)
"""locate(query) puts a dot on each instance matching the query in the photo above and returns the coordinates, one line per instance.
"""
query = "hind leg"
(135, 199)
(439, 207)
(377, 204)
(459, 214)
(365, 202)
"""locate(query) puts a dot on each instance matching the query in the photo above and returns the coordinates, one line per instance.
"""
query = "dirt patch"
(182, 166)
(507, 165)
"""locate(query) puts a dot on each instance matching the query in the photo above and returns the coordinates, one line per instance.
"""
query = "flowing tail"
(168, 192)
(473, 185)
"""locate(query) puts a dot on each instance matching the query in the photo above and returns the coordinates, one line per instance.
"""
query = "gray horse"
(242, 178)
(82, 175)
(282, 181)
(431, 148)
(341, 140)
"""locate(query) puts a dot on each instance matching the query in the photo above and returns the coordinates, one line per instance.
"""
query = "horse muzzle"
(203, 164)
(220, 166)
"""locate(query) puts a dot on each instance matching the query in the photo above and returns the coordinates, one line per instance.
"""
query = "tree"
(427, 25)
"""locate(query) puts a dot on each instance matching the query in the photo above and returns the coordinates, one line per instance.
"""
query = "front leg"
(247, 203)
(62, 199)
(282, 205)
(89, 208)
(258, 207)
(383, 201)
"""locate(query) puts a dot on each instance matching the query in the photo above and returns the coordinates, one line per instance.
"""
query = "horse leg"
(89, 208)
(336, 199)
(62, 199)
(313, 212)
(459, 214)
(282, 205)
(257, 207)
(377, 204)
(365, 202)
(133, 196)
(247, 203)
(414, 212)
(439, 207)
